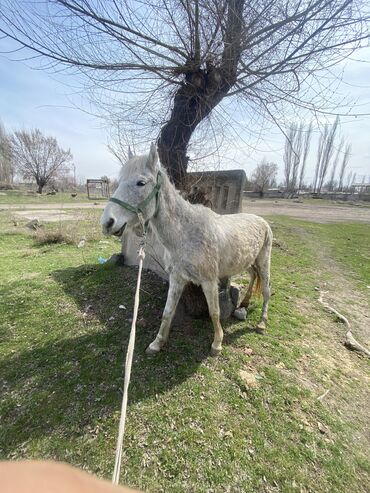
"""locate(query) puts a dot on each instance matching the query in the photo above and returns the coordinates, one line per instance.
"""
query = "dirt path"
(343, 295)
(310, 212)
(342, 373)
(51, 212)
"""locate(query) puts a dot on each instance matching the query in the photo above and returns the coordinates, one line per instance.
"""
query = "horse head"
(136, 197)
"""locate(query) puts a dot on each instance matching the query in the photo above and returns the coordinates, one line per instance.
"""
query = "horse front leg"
(174, 294)
(210, 289)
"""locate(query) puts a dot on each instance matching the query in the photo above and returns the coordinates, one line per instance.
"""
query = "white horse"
(200, 246)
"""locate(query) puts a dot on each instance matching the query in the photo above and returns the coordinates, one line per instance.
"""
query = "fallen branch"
(350, 342)
(320, 398)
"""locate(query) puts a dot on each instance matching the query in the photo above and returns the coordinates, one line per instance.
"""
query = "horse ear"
(152, 161)
(130, 153)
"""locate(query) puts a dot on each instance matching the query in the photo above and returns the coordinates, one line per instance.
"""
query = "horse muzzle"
(109, 228)
(119, 233)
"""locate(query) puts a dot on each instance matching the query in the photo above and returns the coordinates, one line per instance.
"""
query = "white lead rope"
(128, 365)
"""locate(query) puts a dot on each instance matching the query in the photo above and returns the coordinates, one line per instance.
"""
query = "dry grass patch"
(70, 232)
(50, 237)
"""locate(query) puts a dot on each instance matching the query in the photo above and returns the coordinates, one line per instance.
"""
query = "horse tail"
(258, 284)
(267, 245)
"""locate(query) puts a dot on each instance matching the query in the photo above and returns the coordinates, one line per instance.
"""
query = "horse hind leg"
(248, 295)
(262, 263)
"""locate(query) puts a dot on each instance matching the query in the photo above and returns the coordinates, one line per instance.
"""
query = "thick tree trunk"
(197, 96)
(39, 188)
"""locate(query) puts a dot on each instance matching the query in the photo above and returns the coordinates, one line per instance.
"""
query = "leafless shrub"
(45, 236)
(71, 232)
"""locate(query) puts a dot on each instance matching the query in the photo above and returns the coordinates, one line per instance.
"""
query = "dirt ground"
(316, 212)
(50, 212)
(48, 215)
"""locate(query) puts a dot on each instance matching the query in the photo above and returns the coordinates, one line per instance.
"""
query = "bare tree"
(351, 179)
(332, 182)
(264, 176)
(325, 153)
(289, 157)
(171, 62)
(297, 156)
(297, 144)
(306, 148)
(6, 162)
(38, 157)
(343, 167)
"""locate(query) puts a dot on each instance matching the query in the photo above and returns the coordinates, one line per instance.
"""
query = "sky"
(31, 98)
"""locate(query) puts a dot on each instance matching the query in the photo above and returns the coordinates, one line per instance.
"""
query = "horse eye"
(141, 183)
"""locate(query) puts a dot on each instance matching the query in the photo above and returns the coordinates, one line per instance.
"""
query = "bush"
(50, 237)
(6, 186)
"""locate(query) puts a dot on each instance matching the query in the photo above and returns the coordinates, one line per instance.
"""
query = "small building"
(97, 189)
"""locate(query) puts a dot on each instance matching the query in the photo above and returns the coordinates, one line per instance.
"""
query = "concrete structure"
(222, 189)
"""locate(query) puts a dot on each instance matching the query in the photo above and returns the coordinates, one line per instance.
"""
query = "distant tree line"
(331, 172)
(332, 158)
(32, 156)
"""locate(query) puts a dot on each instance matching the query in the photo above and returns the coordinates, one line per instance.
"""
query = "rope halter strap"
(139, 209)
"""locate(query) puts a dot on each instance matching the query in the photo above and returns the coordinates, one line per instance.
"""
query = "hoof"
(261, 327)
(215, 352)
(151, 352)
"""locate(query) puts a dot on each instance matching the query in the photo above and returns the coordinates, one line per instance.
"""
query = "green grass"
(348, 244)
(20, 197)
(192, 423)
